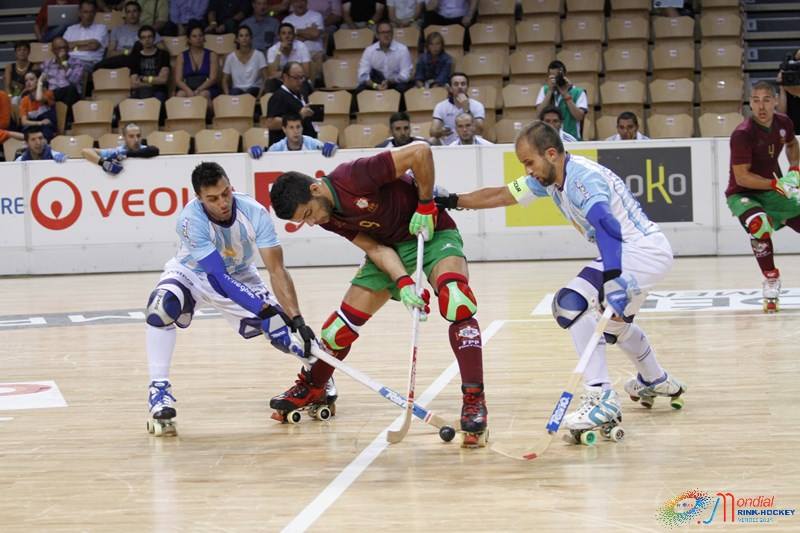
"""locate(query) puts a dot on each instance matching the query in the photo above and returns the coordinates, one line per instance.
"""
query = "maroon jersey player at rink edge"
(373, 203)
(757, 195)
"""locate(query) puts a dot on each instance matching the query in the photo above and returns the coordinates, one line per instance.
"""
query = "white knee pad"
(616, 331)
(170, 303)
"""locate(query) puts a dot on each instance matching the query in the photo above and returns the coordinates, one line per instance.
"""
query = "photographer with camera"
(789, 81)
(558, 92)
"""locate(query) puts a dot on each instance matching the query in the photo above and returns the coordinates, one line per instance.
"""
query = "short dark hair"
(286, 25)
(288, 66)
(195, 24)
(557, 64)
(31, 130)
(628, 115)
(541, 136)
(290, 190)
(552, 110)
(454, 74)
(133, 3)
(764, 85)
(206, 174)
(90, 2)
(146, 27)
(398, 116)
(383, 23)
(289, 117)
(22, 44)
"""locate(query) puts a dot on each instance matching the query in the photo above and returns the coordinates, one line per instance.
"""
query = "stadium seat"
(673, 28)
(263, 102)
(187, 114)
(255, 137)
(110, 140)
(490, 38)
(222, 44)
(542, 29)
(40, 52)
(519, 101)
(234, 111)
(364, 135)
(720, 55)
(575, 6)
(506, 130)
(216, 141)
(720, 23)
(642, 6)
(92, 117)
(485, 69)
(328, 133)
(536, 8)
(530, 66)
(350, 44)
(111, 19)
(377, 106)
(670, 126)
(626, 60)
(337, 107)
(408, 36)
(72, 145)
(420, 102)
(10, 148)
(673, 59)
(671, 97)
(628, 26)
(112, 84)
(421, 129)
(719, 125)
(175, 45)
(170, 142)
(144, 113)
(340, 73)
(583, 27)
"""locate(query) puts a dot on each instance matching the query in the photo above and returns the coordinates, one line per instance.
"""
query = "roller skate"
(473, 416)
(640, 390)
(599, 410)
(771, 289)
(304, 396)
(162, 413)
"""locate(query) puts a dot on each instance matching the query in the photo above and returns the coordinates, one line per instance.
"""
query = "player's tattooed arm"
(384, 257)
(280, 280)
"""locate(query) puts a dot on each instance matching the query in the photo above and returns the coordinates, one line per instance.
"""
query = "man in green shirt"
(558, 92)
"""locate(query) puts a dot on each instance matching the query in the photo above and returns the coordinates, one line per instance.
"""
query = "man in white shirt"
(286, 49)
(628, 128)
(309, 28)
(385, 64)
(465, 130)
(552, 115)
(443, 125)
(87, 40)
(403, 13)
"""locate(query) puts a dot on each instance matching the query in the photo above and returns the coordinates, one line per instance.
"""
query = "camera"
(790, 71)
(560, 81)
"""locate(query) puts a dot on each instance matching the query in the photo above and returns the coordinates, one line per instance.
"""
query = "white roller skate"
(599, 409)
(638, 389)
(162, 410)
(771, 289)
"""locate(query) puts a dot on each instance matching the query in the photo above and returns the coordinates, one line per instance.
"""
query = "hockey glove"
(619, 291)
(59, 157)
(412, 300)
(299, 327)
(424, 219)
(111, 166)
(256, 152)
(788, 185)
(329, 149)
(275, 325)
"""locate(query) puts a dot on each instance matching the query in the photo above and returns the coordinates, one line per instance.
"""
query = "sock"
(794, 223)
(321, 372)
(762, 249)
(596, 373)
(636, 346)
(465, 341)
(160, 343)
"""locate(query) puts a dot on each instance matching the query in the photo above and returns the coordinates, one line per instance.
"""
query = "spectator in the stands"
(294, 140)
(110, 159)
(400, 126)
(362, 13)
(404, 13)
(265, 27)
(290, 98)
(44, 31)
(64, 73)
(443, 126)
(434, 65)
(309, 28)
(87, 39)
(465, 131)
(197, 68)
(123, 38)
(446, 12)
(331, 11)
(385, 64)
(559, 92)
(14, 77)
(552, 115)
(5, 119)
(155, 13)
(245, 68)
(225, 16)
(288, 48)
(37, 106)
(182, 12)
(150, 67)
(38, 149)
(627, 128)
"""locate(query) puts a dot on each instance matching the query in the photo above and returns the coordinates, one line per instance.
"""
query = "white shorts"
(202, 292)
(648, 260)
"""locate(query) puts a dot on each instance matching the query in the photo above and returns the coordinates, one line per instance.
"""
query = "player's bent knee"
(568, 306)
(616, 331)
(170, 303)
(759, 226)
(337, 332)
(456, 299)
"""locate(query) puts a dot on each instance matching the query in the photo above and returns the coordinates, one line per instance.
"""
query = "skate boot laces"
(160, 393)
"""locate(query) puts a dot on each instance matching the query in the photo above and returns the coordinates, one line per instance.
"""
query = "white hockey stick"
(394, 437)
(566, 397)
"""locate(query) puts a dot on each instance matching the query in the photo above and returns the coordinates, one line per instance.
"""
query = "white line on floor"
(351, 472)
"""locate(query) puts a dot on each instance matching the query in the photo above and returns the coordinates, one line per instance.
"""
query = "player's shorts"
(775, 205)
(445, 243)
(203, 293)
(648, 260)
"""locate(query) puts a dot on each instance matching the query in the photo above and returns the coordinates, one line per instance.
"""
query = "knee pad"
(338, 333)
(616, 331)
(759, 226)
(456, 300)
(170, 303)
(568, 307)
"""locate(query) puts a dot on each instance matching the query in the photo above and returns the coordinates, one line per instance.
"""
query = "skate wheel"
(150, 426)
(474, 440)
(648, 402)
(616, 434)
(588, 438)
(676, 403)
(635, 398)
(158, 429)
(323, 413)
(446, 433)
(294, 417)
(573, 437)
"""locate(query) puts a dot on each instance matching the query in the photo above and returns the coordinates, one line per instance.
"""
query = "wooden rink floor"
(91, 466)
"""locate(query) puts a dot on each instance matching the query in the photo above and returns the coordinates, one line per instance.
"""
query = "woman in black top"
(15, 72)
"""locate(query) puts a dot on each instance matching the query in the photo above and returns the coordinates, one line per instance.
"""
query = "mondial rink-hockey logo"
(695, 507)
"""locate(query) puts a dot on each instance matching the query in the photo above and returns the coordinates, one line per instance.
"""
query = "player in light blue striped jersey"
(221, 233)
(634, 256)
(295, 141)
